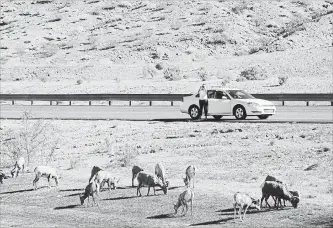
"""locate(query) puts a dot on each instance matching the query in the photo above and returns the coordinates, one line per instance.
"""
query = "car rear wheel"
(217, 117)
(240, 112)
(194, 112)
(263, 117)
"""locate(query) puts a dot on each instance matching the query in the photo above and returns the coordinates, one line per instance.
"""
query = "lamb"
(19, 164)
(45, 171)
(160, 173)
(94, 170)
(90, 190)
(103, 176)
(190, 174)
(150, 180)
(243, 199)
(278, 190)
(183, 199)
(135, 170)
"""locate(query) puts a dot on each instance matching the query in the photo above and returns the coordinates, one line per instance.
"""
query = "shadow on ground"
(71, 190)
(18, 191)
(162, 216)
(215, 222)
(66, 207)
(251, 210)
(74, 194)
(121, 198)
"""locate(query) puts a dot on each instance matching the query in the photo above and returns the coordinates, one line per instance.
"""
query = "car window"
(220, 95)
(240, 94)
(211, 93)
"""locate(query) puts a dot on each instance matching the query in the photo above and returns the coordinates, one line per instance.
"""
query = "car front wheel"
(240, 113)
(194, 112)
(263, 117)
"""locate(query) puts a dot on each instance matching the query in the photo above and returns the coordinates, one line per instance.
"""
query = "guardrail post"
(171, 103)
(31, 102)
(89, 102)
(109, 103)
(130, 103)
(282, 103)
(70, 102)
(307, 103)
(331, 103)
(13, 102)
(150, 103)
(50, 102)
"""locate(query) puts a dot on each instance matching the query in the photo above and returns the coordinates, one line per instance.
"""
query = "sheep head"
(256, 203)
(294, 201)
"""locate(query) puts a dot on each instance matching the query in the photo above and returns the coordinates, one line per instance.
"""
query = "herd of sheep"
(271, 187)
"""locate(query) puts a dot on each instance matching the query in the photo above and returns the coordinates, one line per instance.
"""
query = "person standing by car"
(203, 100)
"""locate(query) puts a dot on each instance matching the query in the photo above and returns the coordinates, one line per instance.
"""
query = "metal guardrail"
(154, 97)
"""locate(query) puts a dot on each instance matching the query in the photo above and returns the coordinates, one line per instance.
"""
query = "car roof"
(222, 89)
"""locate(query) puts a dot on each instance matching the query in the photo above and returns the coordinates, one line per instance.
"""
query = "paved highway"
(311, 114)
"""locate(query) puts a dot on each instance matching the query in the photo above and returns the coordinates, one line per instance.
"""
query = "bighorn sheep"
(278, 190)
(160, 173)
(103, 176)
(243, 199)
(135, 170)
(19, 164)
(190, 174)
(150, 180)
(90, 190)
(271, 178)
(94, 170)
(183, 199)
(45, 171)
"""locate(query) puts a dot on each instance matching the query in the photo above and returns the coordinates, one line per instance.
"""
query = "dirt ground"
(230, 157)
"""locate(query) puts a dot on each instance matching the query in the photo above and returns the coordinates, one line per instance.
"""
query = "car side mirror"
(224, 98)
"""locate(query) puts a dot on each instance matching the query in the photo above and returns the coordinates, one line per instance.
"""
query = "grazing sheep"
(94, 170)
(45, 171)
(160, 173)
(102, 177)
(278, 190)
(271, 178)
(295, 194)
(190, 174)
(135, 170)
(149, 180)
(183, 199)
(243, 199)
(19, 164)
(90, 190)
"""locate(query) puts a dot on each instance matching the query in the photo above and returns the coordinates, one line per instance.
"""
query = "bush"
(217, 39)
(149, 71)
(73, 163)
(79, 81)
(202, 74)
(282, 80)
(254, 73)
(172, 73)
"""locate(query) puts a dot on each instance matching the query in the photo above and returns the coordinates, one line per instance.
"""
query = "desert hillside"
(96, 46)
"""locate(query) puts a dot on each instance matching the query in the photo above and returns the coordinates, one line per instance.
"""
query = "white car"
(228, 102)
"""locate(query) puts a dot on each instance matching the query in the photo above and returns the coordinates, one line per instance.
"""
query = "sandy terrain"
(105, 46)
(230, 157)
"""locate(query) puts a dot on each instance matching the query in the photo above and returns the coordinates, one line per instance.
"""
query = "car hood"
(258, 101)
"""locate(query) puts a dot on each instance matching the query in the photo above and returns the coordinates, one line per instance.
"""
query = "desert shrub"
(124, 4)
(254, 73)
(149, 71)
(172, 73)
(282, 80)
(43, 78)
(202, 74)
(220, 28)
(79, 81)
(259, 21)
(160, 66)
(304, 3)
(240, 7)
(217, 39)
(253, 50)
(36, 140)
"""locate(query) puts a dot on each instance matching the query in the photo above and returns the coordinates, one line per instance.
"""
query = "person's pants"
(203, 104)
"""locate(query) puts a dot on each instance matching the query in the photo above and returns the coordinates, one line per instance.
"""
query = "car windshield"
(240, 94)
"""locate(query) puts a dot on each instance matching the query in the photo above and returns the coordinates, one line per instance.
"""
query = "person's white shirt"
(203, 94)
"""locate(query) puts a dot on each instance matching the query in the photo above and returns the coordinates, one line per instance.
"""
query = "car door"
(219, 104)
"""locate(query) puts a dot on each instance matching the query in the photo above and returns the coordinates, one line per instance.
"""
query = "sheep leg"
(262, 198)
(235, 210)
(133, 176)
(191, 206)
(154, 190)
(240, 211)
(88, 201)
(48, 180)
(148, 190)
(35, 181)
(138, 189)
(266, 198)
(245, 211)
